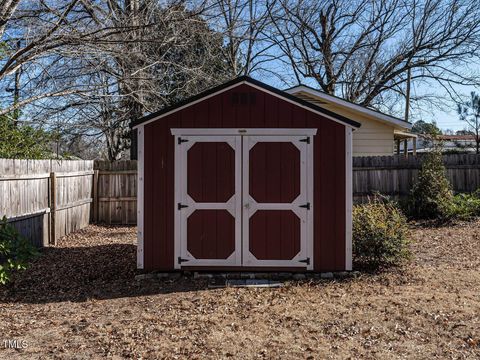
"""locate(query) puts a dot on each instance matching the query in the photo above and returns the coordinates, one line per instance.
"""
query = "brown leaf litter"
(80, 301)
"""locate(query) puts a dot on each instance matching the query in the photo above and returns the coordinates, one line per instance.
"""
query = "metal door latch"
(306, 206)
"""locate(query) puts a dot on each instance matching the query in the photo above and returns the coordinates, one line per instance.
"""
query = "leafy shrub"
(465, 206)
(380, 235)
(15, 251)
(431, 195)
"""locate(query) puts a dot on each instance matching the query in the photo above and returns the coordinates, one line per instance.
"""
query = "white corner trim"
(348, 197)
(243, 132)
(349, 105)
(311, 199)
(140, 194)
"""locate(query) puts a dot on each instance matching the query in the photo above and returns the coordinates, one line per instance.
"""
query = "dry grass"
(79, 300)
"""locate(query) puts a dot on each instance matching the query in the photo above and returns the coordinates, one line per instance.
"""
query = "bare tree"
(7, 8)
(169, 54)
(361, 50)
(87, 67)
(469, 112)
(243, 24)
(91, 67)
(30, 33)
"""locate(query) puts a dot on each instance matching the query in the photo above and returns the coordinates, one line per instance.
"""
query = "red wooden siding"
(264, 111)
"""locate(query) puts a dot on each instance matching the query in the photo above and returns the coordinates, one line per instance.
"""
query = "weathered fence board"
(40, 208)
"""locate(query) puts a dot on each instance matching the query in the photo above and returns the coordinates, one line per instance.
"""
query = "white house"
(379, 132)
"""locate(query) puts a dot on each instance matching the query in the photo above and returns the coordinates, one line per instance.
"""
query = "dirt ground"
(80, 301)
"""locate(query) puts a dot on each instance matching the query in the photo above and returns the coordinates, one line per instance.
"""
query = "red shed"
(244, 177)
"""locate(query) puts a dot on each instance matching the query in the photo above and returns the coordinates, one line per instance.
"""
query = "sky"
(446, 116)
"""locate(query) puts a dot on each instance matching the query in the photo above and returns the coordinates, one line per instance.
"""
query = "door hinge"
(181, 206)
(306, 261)
(180, 260)
(306, 140)
(180, 140)
(306, 206)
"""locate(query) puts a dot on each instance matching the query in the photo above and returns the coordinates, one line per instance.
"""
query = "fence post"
(53, 207)
(95, 196)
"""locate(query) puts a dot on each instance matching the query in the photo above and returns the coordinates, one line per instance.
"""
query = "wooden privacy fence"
(115, 192)
(390, 175)
(45, 199)
(395, 175)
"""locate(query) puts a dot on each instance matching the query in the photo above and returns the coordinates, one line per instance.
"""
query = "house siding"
(373, 138)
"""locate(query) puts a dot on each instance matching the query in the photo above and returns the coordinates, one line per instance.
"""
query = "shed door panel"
(276, 202)
(209, 193)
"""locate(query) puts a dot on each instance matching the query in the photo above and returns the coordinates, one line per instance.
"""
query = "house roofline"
(350, 105)
(236, 82)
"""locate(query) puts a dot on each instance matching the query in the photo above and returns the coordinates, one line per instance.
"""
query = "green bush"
(431, 195)
(15, 251)
(380, 235)
(465, 206)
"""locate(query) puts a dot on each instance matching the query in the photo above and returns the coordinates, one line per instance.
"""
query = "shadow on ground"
(92, 272)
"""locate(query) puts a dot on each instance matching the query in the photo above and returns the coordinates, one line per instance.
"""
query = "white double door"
(244, 200)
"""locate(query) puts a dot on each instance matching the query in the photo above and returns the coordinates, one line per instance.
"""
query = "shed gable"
(244, 98)
(243, 106)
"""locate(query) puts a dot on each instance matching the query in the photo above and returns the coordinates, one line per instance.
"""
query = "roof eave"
(402, 124)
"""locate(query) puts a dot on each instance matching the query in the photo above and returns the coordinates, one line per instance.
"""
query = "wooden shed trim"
(140, 200)
(348, 197)
(240, 131)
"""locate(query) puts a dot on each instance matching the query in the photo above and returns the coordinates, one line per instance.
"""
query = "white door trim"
(243, 131)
